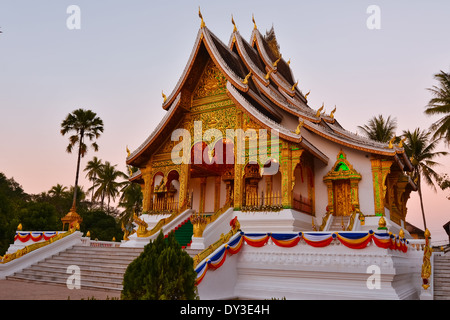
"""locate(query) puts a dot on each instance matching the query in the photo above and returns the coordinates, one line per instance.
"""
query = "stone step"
(107, 249)
(100, 267)
(73, 259)
(110, 259)
(85, 270)
(62, 281)
(97, 277)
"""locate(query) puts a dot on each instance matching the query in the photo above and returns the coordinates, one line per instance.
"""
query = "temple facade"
(239, 133)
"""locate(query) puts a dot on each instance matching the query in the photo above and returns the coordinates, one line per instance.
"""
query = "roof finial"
(246, 78)
(276, 62)
(234, 24)
(267, 77)
(306, 95)
(293, 87)
(289, 62)
(201, 17)
(164, 96)
(299, 127)
(254, 23)
(391, 142)
(332, 112)
(319, 110)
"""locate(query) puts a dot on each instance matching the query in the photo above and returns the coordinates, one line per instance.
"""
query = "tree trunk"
(419, 189)
(75, 189)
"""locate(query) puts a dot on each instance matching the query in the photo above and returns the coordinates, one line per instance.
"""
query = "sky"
(122, 54)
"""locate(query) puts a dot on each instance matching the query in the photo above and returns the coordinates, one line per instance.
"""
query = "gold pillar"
(354, 194)
(147, 190)
(286, 176)
(201, 208)
(238, 185)
(183, 197)
(380, 170)
(238, 167)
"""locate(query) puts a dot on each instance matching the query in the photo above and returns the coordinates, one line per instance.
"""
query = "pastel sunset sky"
(126, 52)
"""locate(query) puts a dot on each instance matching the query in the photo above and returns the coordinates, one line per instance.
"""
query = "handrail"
(142, 231)
(324, 220)
(235, 227)
(200, 221)
(27, 249)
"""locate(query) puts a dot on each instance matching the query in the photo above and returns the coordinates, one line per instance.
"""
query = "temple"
(256, 145)
(243, 159)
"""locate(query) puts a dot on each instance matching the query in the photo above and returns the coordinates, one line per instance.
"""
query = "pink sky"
(125, 54)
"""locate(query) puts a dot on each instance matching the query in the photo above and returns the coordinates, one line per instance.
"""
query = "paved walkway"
(21, 290)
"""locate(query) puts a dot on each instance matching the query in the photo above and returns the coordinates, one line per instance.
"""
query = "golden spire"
(332, 112)
(319, 110)
(293, 87)
(234, 24)
(245, 81)
(254, 23)
(19, 227)
(201, 17)
(164, 96)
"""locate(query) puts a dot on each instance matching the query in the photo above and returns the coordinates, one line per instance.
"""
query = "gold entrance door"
(342, 198)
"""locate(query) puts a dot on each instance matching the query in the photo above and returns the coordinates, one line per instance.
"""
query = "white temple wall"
(210, 194)
(361, 163)
(194, 188)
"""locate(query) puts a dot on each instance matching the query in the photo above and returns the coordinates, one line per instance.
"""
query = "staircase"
(100, 268)
(442, 277)
(336, 224)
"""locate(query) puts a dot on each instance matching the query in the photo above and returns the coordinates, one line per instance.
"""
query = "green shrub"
(163, 271)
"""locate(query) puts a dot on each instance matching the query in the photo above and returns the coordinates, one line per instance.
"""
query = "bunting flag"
(217, 259)
(285, 240)
(235, 245)
(318, 240)
(382, 240)
(257, 239)
(201, 272)
(353, 240)
(34, 236)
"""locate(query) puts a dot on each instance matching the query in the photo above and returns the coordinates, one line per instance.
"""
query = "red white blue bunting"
(353, 240)
(34, 236)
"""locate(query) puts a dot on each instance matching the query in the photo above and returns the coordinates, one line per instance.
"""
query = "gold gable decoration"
(212, 82)
(342, 185)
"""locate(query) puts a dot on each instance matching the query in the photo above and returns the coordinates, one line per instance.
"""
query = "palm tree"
(131, 200)
(106, 184)
(440, 105)
(84, 124)
(380, 129)
(93, 168)
(58, 191)
(420, 149)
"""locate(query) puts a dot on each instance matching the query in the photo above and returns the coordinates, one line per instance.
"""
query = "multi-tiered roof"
(261, 83)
